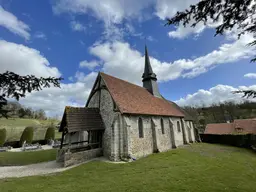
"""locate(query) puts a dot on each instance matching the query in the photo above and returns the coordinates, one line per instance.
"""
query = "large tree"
(234, 14)
(16, 86)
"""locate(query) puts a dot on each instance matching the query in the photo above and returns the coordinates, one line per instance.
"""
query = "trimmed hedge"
(50, 133)
(27, 135)
(245, 141)
(2, 137)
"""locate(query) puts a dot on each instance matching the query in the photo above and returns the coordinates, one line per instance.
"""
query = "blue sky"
(76, 39)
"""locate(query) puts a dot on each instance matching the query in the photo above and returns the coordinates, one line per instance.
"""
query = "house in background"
(138, 121)
(239, 126)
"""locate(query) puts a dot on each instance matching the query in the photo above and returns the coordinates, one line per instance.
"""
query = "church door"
(153, 128)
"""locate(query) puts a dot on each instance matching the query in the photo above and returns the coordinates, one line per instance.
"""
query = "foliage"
(221, 113)
(21, 112)
(26, 158)
(233, 14)
(247, 93)
(16, 86)
(27, 135)
(50, 133)
(198, 167)
(17, 110)
(2, 136)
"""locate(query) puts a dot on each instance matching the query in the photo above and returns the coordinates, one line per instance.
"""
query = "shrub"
(50, 133)
(27, 135)
(2, 137)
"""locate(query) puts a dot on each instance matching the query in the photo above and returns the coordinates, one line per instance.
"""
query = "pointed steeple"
(149, 77)
(148, 69)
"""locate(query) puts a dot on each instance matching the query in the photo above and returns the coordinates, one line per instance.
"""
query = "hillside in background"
(15, 127)
(221, 113)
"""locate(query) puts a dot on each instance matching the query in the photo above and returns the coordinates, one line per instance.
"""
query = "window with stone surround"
(140, 126)
(178, 126)
(162, 125)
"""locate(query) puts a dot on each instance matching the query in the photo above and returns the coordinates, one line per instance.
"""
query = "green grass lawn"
(199, 168)
(25, 158)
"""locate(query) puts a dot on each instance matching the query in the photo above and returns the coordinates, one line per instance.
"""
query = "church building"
(134, 121)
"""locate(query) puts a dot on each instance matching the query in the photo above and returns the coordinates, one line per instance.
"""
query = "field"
(199, 167)
(15, 127)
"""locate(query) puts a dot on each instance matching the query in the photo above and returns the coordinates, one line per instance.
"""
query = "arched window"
(140, 126)
(178, 126)
(162, 125)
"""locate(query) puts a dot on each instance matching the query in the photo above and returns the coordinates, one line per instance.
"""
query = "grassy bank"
(15, 127)
(25, 158)
(200, 167)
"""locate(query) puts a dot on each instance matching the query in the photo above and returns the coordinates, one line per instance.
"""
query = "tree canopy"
(233, 14)
(16, 86)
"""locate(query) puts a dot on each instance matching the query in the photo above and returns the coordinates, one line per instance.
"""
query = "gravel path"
(34, 169)
(40, 168)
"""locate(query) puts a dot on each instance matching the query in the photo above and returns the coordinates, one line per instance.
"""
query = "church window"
(140, 126)
(178, 126)
(162, 125)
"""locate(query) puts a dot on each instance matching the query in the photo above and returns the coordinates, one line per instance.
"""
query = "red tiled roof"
(133, 99)
(247, 125)
(220, 128)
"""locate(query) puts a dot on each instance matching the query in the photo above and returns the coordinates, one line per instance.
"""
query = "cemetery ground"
(196, 167)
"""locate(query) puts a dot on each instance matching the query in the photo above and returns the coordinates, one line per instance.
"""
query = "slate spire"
(149, 77)
(148, 69)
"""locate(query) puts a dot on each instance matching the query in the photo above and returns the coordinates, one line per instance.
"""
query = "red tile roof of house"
(247, 126)
(133, 99)
(220, 128)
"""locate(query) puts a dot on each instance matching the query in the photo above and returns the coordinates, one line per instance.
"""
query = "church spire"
(148, 69)
(149, 77)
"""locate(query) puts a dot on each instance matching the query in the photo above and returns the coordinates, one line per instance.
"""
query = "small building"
(134, 121)
(239, 126)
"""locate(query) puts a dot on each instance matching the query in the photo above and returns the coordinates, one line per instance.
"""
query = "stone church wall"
(107, 113)
(139, 147)
(163, 138)
(94, 102)
(178, 135)
(191, 129)
(162, 141)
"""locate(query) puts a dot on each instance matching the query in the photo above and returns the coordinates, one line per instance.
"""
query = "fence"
(246, 141)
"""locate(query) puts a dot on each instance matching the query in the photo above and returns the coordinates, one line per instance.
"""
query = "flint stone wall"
(68, 159)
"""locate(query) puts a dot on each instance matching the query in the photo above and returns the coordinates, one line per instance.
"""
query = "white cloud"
(113, 13)
(166, 8)
(53, 100)
(40, 35)
(217, 94)
(109, 11)
(24, 60)
(182, 32)
(121, 60)
(11, 22)
(77, 26)
(89, 64)
(250, 75)
(27, 61)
